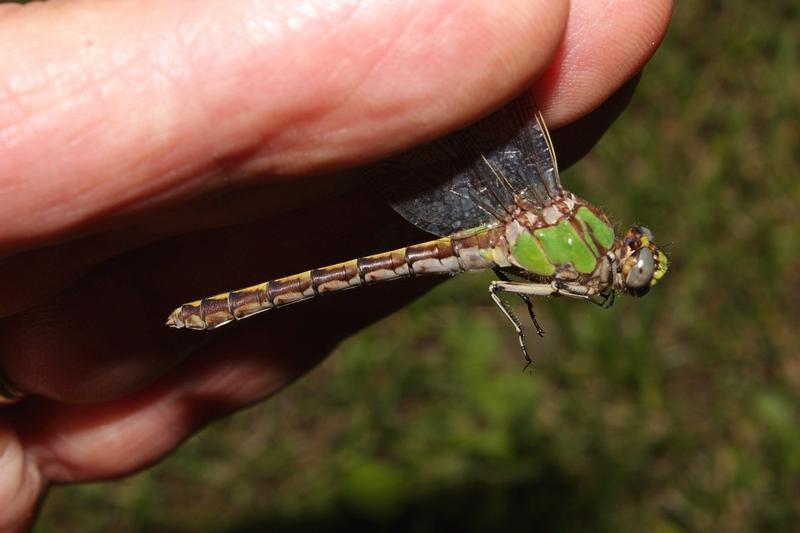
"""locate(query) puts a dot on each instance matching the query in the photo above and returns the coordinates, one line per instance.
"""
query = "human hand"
(126, 127)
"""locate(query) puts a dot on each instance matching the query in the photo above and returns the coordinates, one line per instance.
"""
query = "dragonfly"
(492, 195)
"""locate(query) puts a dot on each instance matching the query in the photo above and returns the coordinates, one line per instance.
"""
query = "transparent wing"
(477, 176)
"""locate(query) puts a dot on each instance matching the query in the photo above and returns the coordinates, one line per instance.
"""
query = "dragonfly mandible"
(493, 195)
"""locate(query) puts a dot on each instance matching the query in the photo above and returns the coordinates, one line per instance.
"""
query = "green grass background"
(678, 411)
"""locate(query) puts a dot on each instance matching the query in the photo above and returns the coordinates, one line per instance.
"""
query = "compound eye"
(641, 273)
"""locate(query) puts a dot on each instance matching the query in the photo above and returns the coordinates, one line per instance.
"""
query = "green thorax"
(557, 237)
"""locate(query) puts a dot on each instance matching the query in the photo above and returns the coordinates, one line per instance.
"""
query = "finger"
(20, 481)
(105, 335)
(606, 43)
(95, 441)
(151, 106)
(100, 441)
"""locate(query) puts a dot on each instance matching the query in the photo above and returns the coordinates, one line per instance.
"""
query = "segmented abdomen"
(447, 255)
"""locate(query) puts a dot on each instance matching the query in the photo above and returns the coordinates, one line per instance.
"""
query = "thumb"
(111, 108)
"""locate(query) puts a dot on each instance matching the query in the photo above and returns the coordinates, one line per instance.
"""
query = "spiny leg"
(532, 289)
(557, 288)
(494, 288)
(524, 297)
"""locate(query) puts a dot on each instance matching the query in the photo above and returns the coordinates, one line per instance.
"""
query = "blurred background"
(678, 411)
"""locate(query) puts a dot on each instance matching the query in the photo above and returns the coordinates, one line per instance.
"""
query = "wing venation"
(476, 176)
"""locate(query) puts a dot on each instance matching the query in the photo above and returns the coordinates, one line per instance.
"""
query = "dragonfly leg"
(557, 288)
(494, 288)
(525, 298)
(604, 299)
(532, 289)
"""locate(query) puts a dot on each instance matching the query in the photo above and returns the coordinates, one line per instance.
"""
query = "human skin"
(149, 152)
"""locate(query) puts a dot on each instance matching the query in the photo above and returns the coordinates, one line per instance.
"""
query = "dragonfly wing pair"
(478, 176)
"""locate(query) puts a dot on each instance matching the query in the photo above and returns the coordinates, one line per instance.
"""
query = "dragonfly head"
(643, 264)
